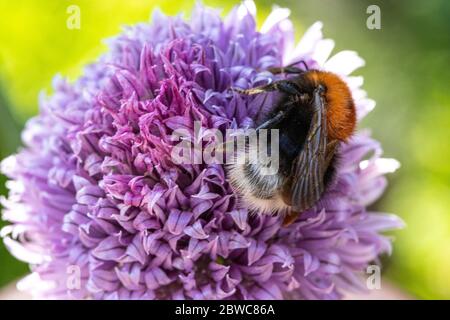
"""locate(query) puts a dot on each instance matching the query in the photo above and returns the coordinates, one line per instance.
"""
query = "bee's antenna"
(290, 69)
(280, 116)
(302, 62)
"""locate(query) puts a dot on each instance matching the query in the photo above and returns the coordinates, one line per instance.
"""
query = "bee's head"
(341, 113)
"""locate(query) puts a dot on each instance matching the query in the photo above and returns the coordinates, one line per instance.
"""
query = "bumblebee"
(315, 113)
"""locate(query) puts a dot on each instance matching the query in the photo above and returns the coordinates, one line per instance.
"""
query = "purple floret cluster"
(99, 209)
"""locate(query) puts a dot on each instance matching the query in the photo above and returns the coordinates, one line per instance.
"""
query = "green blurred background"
(407, 73)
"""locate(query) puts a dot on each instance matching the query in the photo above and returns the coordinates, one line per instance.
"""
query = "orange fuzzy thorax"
(341, 113)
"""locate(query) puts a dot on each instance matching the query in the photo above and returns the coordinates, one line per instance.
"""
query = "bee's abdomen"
(258, 192)
(261, 186)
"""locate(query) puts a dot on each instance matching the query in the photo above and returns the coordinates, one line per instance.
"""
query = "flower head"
(100, 210)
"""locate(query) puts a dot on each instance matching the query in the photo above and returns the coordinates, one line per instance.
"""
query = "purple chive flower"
(99, 209)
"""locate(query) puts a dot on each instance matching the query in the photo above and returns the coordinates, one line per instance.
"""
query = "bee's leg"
(290, 218)
(290, 68)
(285, 86)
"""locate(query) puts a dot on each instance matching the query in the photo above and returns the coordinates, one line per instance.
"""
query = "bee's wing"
(311, 163)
